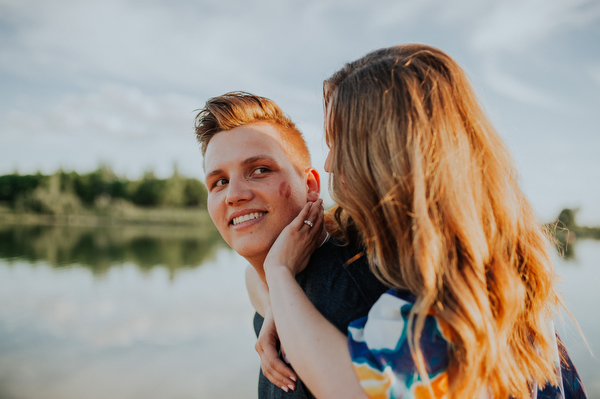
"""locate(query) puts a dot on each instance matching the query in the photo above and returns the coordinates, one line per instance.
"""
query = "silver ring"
(309, 223)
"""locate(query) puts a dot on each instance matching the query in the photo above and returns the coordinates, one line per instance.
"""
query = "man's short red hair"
(238, 108)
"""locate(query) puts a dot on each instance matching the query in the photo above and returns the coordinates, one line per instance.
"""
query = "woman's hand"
(271, 364)
(316, 348)
(292, 249)
(297, 242)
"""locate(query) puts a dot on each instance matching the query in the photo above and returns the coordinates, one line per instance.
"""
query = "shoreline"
(139, 217)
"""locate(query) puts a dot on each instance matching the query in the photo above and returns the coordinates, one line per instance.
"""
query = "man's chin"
(253, 251)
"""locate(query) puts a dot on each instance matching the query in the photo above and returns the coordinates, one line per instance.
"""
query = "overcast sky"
(117, 81)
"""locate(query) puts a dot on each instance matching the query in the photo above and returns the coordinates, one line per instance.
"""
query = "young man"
(259, 178)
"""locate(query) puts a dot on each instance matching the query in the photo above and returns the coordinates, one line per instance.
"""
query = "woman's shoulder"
(386, 325)
(381, 353)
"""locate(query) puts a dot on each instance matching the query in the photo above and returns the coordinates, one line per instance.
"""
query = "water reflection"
(155, 325)
(579, 280)
(158, 326)
(98, 249)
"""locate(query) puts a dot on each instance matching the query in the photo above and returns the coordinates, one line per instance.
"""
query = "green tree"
(48, 198)
(173, 194)
(11, 186)
(195, 193)
(149, 191)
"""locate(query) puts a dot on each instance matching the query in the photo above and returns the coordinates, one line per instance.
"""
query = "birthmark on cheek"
(285, 190)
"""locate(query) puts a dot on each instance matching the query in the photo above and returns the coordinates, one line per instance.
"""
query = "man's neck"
(258, 262)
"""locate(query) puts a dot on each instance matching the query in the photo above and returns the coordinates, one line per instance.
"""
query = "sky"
(118, 82)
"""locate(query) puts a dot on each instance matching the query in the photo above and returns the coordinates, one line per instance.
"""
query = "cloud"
(594, 72)
(124, 125)
(159, 43)
(510, 85)
(516, 44)
(111, 110)
(515, 25)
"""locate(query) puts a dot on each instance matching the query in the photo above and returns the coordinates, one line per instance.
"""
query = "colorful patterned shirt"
(383, 363)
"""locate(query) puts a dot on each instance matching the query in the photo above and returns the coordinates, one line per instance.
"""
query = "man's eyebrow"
(257, 158)
(245, 162)
(213, 173)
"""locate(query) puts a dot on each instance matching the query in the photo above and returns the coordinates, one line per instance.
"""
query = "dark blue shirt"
(341, 293)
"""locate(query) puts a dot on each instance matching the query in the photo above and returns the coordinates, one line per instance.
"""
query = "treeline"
(566, 231)
(566, 228)
(67, 192)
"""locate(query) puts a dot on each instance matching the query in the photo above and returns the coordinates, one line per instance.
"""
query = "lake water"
(156, 312)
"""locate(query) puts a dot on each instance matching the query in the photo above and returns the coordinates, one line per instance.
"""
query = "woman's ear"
(313, 184)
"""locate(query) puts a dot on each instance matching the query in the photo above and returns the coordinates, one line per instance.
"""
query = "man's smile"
(246, 217)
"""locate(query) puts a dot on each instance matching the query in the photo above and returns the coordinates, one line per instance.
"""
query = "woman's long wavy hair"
(422, 176)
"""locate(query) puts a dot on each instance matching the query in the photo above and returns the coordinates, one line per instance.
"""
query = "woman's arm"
(316, 349)
(258, 292)
(271, 364)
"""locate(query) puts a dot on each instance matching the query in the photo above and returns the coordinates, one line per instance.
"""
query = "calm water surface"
(163, 313)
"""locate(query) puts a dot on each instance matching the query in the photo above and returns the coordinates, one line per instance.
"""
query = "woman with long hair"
(427, 187)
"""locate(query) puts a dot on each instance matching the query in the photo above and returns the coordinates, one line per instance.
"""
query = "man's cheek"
(285, 190)
(211, 212)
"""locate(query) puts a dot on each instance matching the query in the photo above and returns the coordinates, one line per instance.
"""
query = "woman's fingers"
(279, 374)
(276, 370)
(314, 221)
(315, 214)
(297, 241)
(298, 222)
(271, 364)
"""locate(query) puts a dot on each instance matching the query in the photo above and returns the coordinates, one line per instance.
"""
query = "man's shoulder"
(335, 256)
(337, 268)
(335, 252)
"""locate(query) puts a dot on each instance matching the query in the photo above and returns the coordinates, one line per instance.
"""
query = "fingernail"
(293, 378)
(285, 359)
(291, 387)
(284, 388)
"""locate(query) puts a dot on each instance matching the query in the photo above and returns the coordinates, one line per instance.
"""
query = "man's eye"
(220, 182)
(260, 171)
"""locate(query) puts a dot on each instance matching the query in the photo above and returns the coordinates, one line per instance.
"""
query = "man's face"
(254, 191)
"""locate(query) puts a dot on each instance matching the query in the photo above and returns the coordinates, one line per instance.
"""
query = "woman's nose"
(328, 167)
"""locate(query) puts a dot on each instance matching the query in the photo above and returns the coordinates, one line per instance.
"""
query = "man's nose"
(238, 191)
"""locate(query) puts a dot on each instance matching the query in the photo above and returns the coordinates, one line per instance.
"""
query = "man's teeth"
(249, 216)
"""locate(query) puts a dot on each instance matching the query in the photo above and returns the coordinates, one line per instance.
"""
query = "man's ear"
(313, 184)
